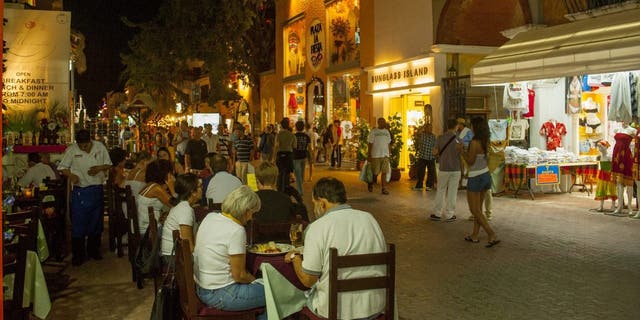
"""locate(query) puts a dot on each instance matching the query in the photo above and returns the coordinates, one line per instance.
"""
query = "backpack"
(147, 259)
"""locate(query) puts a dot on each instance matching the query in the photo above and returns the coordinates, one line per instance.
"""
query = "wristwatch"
(293, 255)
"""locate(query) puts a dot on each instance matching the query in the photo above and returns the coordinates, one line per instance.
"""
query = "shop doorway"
(411, 109)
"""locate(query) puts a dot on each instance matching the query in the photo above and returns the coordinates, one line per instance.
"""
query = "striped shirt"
(243, 149)
(223, 145)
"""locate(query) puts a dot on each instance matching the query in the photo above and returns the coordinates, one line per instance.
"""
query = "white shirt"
(380, 139)
(36, 174)
(218, 238)
(498, 129)
(211, 141)
(79, 162)
(518, 129)
(351, 232)
(181, 214)
(221, 185)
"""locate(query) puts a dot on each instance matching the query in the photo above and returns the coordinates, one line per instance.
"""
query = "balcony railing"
(577, 6)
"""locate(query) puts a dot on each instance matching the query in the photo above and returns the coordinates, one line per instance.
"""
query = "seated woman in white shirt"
(181, 217)
(222, 280)
(157, 193)
(135, 177)
(37, 172)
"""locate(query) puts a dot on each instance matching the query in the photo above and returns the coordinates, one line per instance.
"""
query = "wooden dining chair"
(337, 286)
(190, 304)
(53, 218)
(25, 225)
(268, 231)
(214, 206)
(153, 238)
(118, 220)
(15, 262)
(133, 232)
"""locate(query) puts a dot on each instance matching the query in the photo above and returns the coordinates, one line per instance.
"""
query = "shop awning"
(603, 44)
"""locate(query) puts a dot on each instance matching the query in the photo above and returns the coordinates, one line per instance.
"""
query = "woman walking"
(479, 180)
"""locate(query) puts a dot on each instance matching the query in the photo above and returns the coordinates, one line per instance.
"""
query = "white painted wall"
(550, 104)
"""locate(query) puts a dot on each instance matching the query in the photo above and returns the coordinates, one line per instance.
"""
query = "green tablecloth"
(35, 287)
(282, 297)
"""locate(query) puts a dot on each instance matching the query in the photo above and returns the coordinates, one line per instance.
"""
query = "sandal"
(469, 239)
(492, 243)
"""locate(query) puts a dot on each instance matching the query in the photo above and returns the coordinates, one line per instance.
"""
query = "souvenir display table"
(519, 176)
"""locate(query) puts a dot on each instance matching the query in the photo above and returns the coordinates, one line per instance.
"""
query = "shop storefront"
(560, 89)
(403, 89)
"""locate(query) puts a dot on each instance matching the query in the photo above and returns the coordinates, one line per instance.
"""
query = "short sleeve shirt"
(379, 139)
(449, 158)
(218, 239)
(181, 214)
(351, 232)
(221, 185)
(79, 162)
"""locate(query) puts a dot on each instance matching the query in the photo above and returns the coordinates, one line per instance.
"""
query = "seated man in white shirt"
(351, 232)
(222, 182)
(37, 172)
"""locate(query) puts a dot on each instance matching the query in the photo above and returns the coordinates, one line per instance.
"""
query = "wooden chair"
(133, 233)
(190, 304)
(54, 218)
(274, 231)
(15, 262)
(214, 206)
(336, 285)
(117, 220)
(153, 237)
(25, 225)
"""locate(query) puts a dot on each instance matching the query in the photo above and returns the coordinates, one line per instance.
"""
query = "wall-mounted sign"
(36, 82)
(316, 44)
(400, 75)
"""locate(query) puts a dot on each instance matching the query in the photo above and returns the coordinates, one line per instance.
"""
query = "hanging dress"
(622, 159)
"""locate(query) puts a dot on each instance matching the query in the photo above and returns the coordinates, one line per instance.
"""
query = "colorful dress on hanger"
(622, 159)
(554, 133)
(606, 184)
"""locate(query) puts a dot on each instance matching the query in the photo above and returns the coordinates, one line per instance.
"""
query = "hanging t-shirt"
(515, 96)
(518, 129)
(498, 129)
(532, 98)
(347, 128)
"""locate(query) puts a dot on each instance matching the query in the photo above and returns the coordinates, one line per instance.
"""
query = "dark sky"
(106, 37)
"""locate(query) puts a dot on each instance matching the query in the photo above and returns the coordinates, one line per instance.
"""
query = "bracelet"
(293, 255)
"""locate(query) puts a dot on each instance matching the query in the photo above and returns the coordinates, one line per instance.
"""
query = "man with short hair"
(222, 182)
(243, 148)
(379, 146)
(85, 164)
(350, 231)
(195, 153)
(336, 147)
(36, 173)
(447, 149)
(276, 206)
(210, 139)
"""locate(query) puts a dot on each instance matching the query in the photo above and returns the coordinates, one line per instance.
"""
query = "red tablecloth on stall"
(54, 148)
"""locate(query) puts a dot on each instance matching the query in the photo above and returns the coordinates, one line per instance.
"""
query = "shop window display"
(295, 101)
(343, 17)
(294, 48)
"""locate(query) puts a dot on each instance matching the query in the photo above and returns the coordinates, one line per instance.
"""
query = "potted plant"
(395, 129)
(361, 135)
(413, 174)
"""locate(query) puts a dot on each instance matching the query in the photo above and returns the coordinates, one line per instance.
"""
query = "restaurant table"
(277, 261)
(35, 287)
(519, 175)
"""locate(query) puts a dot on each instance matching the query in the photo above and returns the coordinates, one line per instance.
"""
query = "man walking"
(85, 164)
(195, 153)
(210, 139)
(425, 141)
(448, 149)
(379, 145)
(243, 154)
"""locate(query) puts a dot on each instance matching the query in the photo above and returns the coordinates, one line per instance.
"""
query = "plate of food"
(270, 248)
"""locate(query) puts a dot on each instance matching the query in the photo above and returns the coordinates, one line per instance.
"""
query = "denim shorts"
(479, 183)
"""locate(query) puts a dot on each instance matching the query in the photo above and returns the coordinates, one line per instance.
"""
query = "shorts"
(379, 165)
(479, 183)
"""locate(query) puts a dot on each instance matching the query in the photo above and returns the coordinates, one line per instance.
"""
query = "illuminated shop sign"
(400, 75)
(316, 45)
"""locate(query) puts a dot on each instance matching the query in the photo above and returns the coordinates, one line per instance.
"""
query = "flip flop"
(492, 243)
(469, 239)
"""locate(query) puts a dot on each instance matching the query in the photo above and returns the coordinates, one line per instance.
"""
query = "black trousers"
(284, 161)
(336, 156)
(430, 166)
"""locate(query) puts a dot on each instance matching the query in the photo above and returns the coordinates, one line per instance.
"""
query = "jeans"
(298, 170)
(430, 166)
(235, 297)
(447, 187)
(336, 156)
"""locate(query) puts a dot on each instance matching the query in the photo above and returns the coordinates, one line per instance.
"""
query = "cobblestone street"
(557, 260)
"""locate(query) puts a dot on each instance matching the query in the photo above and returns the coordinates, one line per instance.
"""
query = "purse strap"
(446, 145)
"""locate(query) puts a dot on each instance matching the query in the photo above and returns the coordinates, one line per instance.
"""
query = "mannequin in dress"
(606, 185)
(622, 166)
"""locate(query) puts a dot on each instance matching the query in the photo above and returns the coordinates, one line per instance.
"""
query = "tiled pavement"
(556, 261)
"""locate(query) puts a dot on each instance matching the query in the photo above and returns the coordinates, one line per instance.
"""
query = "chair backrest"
(189, 302)
(133, 229)
(268, 231)
(25, 225)
(153, 226)
(213, 206)
(386, 282)
(17, 267)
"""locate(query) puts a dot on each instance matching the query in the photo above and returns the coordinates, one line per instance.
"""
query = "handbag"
(166, 305)
(365, 174)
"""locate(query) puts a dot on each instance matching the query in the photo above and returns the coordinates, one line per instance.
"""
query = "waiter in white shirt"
(85, 163)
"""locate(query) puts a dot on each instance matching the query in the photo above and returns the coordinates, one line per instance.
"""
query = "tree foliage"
(225, 37)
